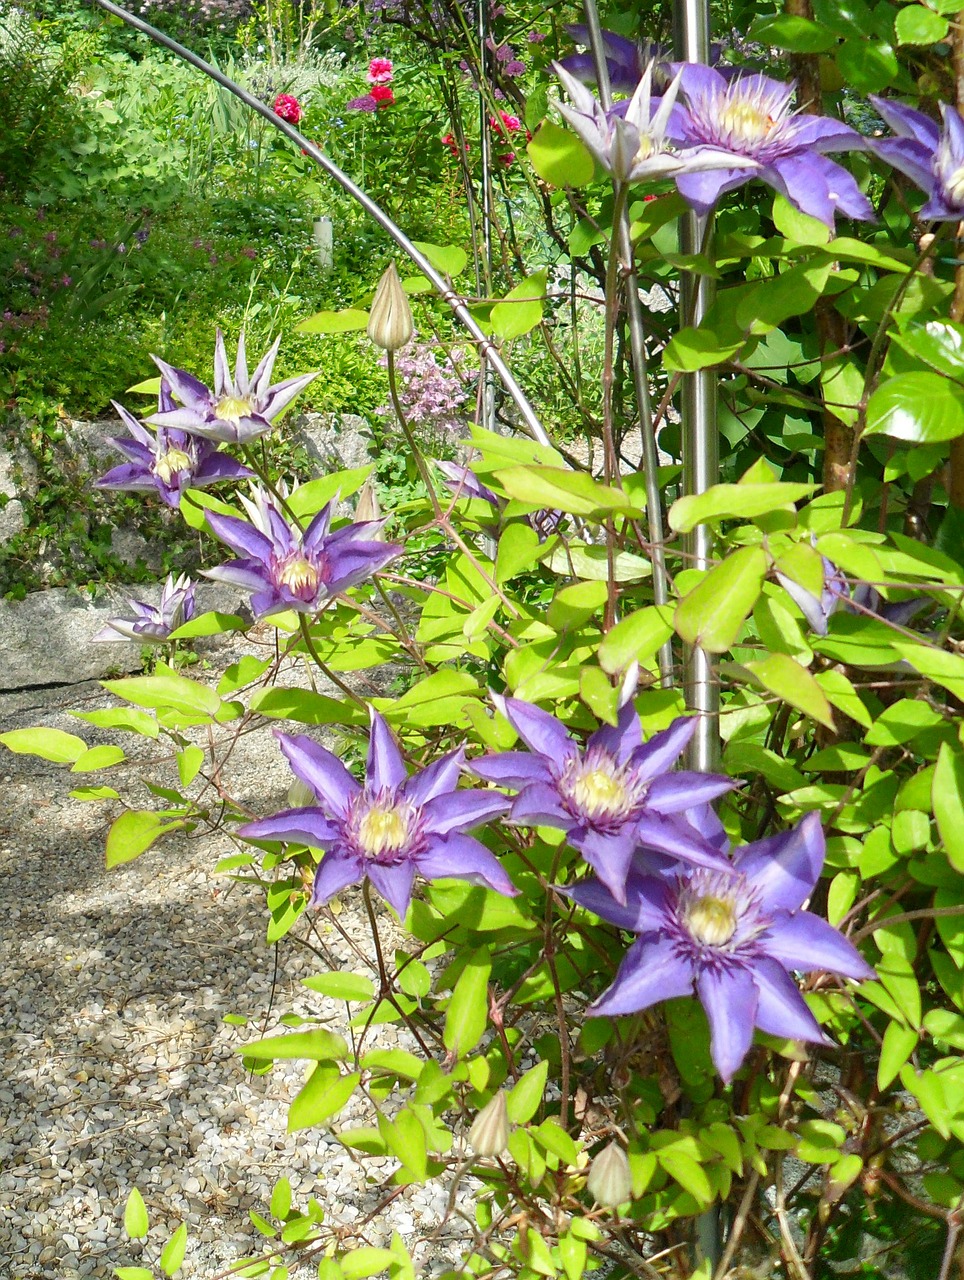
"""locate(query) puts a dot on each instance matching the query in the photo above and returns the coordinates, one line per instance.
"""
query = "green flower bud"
(300, 795)
(610, 1183)
(489, 1135)
(390, 323)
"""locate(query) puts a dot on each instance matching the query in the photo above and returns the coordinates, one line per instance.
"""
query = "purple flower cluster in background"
(431, 388)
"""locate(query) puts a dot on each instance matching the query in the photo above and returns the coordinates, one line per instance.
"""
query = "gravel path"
(118, 1069)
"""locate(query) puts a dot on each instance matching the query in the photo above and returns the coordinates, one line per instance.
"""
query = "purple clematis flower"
(390, 829)
(288, 569)
(464, 483)
(817, 610)
(625, 59)
(732, 936)
(153, 624)
(752, 120)
(238, 409)
(932, 158)
(612, 799)
(633, 141)
(170, 461)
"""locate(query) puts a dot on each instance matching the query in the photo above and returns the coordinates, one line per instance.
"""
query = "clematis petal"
(129, 475)
(805, 942)
(783, 869)
(222, 374)
(610, 854)
(661, 752)
(781, 1010)
(679, 791)
(512, 769)
(336, 871)
(652, 971)
(702, 189)
(386, 768)
(672, 835)
(247, 574)
(623, 738)
(262, 375)
(541, 732)
(241, 366)
(394, 880)
(354, 564)
(306, 826)
(908, 123)
(730, 999)
(192, 393)
(538, 805)
(460, 810)
(646, 907)
(240, 536)
(438, 778)
(462, 857)
(282, 393)
(321, 770)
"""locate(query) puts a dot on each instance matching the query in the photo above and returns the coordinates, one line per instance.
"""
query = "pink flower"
(382, 95)
(449, 140)
(509, 124)
(380, 71)
(288, 108)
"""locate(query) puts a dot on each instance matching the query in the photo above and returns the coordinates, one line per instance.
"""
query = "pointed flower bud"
(300, 795)
(390, 323)
(489, 1135)
(369, 508)
(610, 1183)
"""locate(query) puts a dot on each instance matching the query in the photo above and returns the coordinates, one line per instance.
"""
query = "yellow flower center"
(384, 829)
(170, 463)
(298, 575)
(711, 920)
(744, 122)
(598, 794)
(954, 185)
(233, 409)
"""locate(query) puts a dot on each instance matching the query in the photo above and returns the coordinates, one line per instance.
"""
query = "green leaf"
(939, 343)
(133, 833)
(121, 718)
(713, 613)
(366, 1261)
(691, 349)
(865, 65)
(135, 1216)
(521, 309)
(189, 761)
(734, 501)
(690, 1175)
(921, 408)
(523, 1099)
(948, 800)
(98, 758)
(797, 35)
(559, 158)
(572, 606)
(324, 1094)
(334, 321)
(898, 1044)
(49, 744)
(317, 1045)
(637, 637)
(841, 694)
(208, 624)
(150, 387)
(166, 691)
(789, 220)
(133, 1273)
(468, 1008)
(562, 490)
(782, 675)
(594, 564)
(945, 669)
(341, 986)
(519, 549)
(172, 1255)
(917, 24)
(793, 293)
(305, 706)
(447, 258)
(308, 499)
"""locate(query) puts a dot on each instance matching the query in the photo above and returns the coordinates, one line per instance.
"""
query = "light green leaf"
(523, 1099)
(209, 624)
(172, 1255)
(787, 218)
(637, 637)
(133, 1273)
(797, 35)
(593, 563)
(898, 1044)
(366, 1261)
(281, 1198)
(468, 1008)
(921, 408)
(948, 799)
(308, 499)
(318, 1046)
(572, 606)
(782, 675)
(521, 309)
(166, 691)
(945, 669)
(690, 1175)
(691, 349)
(519, 549)
(559, 158)
(447, 258)
(133, 833)
(121, 718)
(135, 1216)
(916, 24)
(841, 694)
(562, 490)
(150, 387)
(305, 706)
(334, 322)
(939, 343)
(713, 613)
(49, 744)
(324, 1094)
(341, 986)
(734, 501)
(189, 761)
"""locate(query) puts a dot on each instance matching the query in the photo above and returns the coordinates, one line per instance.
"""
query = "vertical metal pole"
(487, 406)
(701, 455)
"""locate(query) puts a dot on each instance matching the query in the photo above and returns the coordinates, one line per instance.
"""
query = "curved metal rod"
(487, 349)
